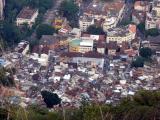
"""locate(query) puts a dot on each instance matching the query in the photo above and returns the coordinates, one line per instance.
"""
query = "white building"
(153, 17)
(101, 47)
(42, 59)
(27, 15)
(76, 32)
(115, 12)
(86, 46)
(109, 23)
(95, 61)
(151, 22)
(121, 34)
(85, 22)
(142, 6)
(91, 58)
(110, 12)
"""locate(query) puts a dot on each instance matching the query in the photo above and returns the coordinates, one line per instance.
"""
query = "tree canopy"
(145, 55)
(145, 52)
(69, 9)
(42, 5)
(9, 31)
(139, 62)
(95, 30)
(44, 29)
(50, 99)
(153, 32)
(141, 27)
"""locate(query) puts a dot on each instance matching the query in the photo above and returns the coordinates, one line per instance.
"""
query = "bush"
(44, 29)
(153, 32)
(95, 30)
(50, 99)
(145, 52)
(139, 62)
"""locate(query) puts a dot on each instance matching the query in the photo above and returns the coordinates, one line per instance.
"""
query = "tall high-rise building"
(2, 4)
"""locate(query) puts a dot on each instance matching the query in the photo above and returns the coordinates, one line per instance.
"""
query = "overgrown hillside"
(145, 105)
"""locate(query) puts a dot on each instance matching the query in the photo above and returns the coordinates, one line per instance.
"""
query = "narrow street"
(50, 14)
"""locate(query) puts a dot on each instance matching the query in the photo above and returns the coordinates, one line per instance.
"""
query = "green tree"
(153, 32)
(145, 52)
(11, 33)
(12, 8)
(141, 27)
(50, 99)
(42, 5)
(44, 29)
(95, 30)
(139, 62)
(69, 10)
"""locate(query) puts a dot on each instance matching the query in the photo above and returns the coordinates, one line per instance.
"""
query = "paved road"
(50, 14)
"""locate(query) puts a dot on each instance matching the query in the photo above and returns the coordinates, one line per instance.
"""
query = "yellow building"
(59, 22)
(74, 45)
(82, 46)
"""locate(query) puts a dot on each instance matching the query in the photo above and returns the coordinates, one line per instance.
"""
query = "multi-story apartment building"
(153, 16)
(139, 12)
(142, 6)
(110, 12)
(85, 22)
(115, 12)
(2, 5)
(121, 34)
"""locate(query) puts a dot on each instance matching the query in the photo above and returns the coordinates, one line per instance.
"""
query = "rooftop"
(81, 42)
(121, 31)
(107, 8)
(86, 19)
(88, 55)
(141, 3)
(26, 13)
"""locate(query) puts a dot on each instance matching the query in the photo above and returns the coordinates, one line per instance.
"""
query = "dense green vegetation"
(13, 7)
(153, 32)
(95, 30)
(9, 31)
(143, 106)
(42, 5)
(138, 62)
(50, 98)
(145, 55)
(145, 52)
(141, 27)
(69, 10)
(44, 29)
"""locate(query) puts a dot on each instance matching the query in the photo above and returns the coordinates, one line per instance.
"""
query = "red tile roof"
(26, 13)
(88, 54)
